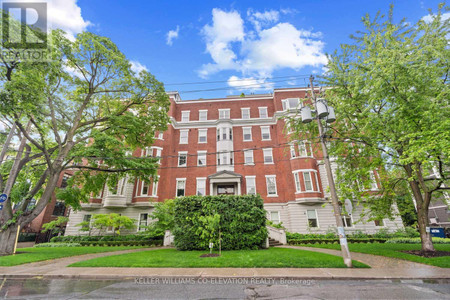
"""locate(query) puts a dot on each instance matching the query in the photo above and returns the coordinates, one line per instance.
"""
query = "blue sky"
(227, 41)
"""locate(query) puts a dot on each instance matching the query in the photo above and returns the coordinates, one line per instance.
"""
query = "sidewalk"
(382, 268)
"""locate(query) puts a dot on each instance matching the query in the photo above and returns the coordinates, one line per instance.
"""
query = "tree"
(164, 216)
(113, 221)
(85, 110)
(390, 90)
(209, 230)
(55, 226)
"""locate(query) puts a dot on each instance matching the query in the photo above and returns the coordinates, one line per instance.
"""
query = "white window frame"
(344, 220)
(247, 178)
(179, 156)
(265, 128)
(182, 141)
(158, 153)
(201, 179)
(203, 132)
(160, 135)
(243, 134)
(373, 181)
(139, 221)
(265, 151)
(379, 220)
(176, 186)
(261, 114)
(245, 111)
(267, 186)
(317, 218)
(185, 116)
(298, 186)
(227, 113)
(201, 154)
(303, 147)
(143, 184)
(287, 105)
(292, 151)
(279, 216)
(155, 187)
(248, 153)
(145, 152)
(205, 111)
(310, 180)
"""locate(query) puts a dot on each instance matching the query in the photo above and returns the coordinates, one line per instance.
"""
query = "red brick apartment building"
(234, 145)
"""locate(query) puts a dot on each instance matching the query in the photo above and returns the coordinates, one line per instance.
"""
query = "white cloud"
(171, 35)
(250, 83)
(429, 18)
(261, 51)
(227, 27)
(137, 67)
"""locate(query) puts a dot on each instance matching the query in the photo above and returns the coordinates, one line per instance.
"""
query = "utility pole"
(334, 196)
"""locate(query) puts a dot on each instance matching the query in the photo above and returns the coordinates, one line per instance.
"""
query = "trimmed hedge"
(106, 238)
(242, 221)
(123, 243)
(55, 245)
(435, 240)
(334, 241)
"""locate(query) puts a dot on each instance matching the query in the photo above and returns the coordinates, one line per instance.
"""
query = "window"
(201, 186)
(248, 157)
(268, 158)
(379, 222)
(142, 222)
(202, 115)
(147, 152)
(201, 158)
(275, 217)
(202, 136)
(293, 154)
(155, 187)
(297, 182)
(182, 159)
(158, 154)
(160, 135)
(222, 158)
(347, 220)
(64, 181)
(308, 181)
(265, 133)
(245, 113)
(185, 116)
(59, 209)
(373, 181)
(184, 136)
(251, 185)
(263, 112)
(144, 190)
(290, 103)
(224, 113)
(181, 185)
(304, 149)
(87, 220)
(271, 185)
(247, 132)
(312, 218)
(119, 188)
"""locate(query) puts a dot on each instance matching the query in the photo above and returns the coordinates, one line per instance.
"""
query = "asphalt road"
(222, 288)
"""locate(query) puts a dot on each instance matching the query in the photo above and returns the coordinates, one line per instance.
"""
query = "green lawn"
(394, 250)
(270, 258)
(46, 253)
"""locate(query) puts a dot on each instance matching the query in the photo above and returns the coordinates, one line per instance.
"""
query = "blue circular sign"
(3, 198)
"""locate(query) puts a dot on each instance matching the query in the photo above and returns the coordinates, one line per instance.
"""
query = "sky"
(227, 47)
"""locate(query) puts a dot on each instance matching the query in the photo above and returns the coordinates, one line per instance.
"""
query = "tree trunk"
(7, 240)
(422, 220)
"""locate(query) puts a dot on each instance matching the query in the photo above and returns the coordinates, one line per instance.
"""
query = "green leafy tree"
(86, 111)
(113, 221)
(164, 216)
(391, 95)
(209, 230)
(85, 226)
(55, 226)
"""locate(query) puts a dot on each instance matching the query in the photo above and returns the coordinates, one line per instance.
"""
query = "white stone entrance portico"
(225, 183)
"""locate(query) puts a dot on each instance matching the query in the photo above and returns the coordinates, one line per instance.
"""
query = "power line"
(234, 80)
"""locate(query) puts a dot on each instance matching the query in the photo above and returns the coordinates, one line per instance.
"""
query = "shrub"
(53, 245)
(242, 221)
(436, 240)
(107, 238)
(334, 240)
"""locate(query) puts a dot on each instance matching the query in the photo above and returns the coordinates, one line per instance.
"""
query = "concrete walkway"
(382, 268)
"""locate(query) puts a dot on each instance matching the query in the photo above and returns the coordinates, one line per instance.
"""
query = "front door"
(225, 190)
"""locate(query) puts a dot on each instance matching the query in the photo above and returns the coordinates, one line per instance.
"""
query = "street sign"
(3, 198)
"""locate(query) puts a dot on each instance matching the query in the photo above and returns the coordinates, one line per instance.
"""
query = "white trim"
(179, 155)
(176, 186)
(253, 158)
(267, 186)
(187, 136)
(225, 109)
(278, 213)
(202, 179)
(206, 158)
(271, 156)
(262, 137)
(200, 111)
(243, 134)
(142, 188)
(267, 112)
(155, 190)
(317, 218)
(242, 113)
(206, 135)
(188, 112)
(139, 221)
(268, 97)
(246, 184)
